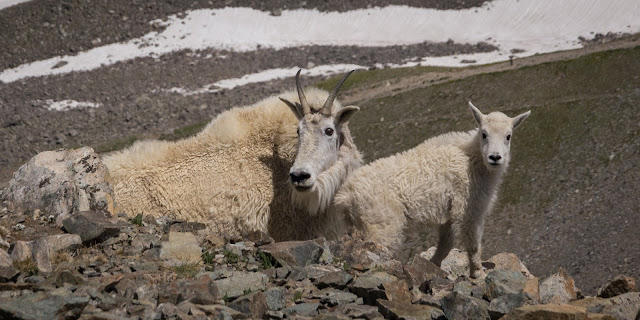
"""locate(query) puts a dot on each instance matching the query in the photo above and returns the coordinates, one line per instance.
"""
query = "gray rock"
(275, 298)
(312, 272)
(181, 248)
(54, 304)
(619, 285)
(333, 297)
(476, 288)
(420, 269)
(34, 279)
(61, 183)
(91, 226)
(456, 264)
(337, 279)
(558, 288)
(253, 305)
(40, 255)
(551, 311)
(239, 282)
(507, 261)
(360, 311)
(3, 243)
(408, 311)
(368, 286)
(505, 303)
(457, 306)
(8, 274)
(302, 309)
(59, 242)
(397, 291)
(501, 282)
(259, 238)
(20, 250)
(201, 290)
(294, 253)
(65, 274)
(187, 226)
(438, 287)
(271, 314)
(624, 306)
(5, 259)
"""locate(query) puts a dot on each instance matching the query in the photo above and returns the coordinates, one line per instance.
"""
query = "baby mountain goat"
(450, 180)
(234, 175)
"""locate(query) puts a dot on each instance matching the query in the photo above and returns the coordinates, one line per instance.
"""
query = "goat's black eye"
(328, 131)
(484, 135)
(508, 137)
(298, 131)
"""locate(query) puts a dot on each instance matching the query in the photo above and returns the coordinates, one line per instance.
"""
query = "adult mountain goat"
(450, 181)
(234, 175)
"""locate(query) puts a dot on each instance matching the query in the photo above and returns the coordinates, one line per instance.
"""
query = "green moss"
(117, 144)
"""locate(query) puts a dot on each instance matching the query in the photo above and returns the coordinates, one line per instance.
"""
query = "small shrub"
(137, 220)
(246, 291)
(230, 257)
(297, 295)
(266, 260)
(225, 298)
(26, 266)
(346, 266)
(208, 257)
(187, 270)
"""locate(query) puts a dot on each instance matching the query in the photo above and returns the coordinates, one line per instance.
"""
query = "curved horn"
(303, 100)
(326, 108)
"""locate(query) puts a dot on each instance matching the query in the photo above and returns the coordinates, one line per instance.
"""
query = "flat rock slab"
(548, 312)
(240, 282)
(501, 282)
(181, 247)
(457, 306)
(40, 305)
(295, 253)
(408, 311)
(91, 226)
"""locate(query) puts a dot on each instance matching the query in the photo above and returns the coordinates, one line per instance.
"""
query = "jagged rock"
(438, 287)
(20, 250)
(456, 264)
(40, 255)
(404, 310)
(198, 291)
(65, 274)
(239, 282)
(59, 242)
(253, 305)
(302, 309)
(91, 226)
(8, 274)
(61, 183)
(5, 259)
(274, 314)
(532, 289)
(60, 303)
(312, 272)
(368, 286)
(476, 288)
(624, 306)
(501, 282)
(360, 311)
(397, 291)
(619, 285)
(181, 248)
(506, 261)
(168, 310)
(355, 250)
(505, 303)
(558, 288)
(187, 227)
(457, 306)
(550, 311)
(275, 298)
(259, 238)
(336, 279)
(420, 270)
(4, 245)
(294, 253)
(333, 297)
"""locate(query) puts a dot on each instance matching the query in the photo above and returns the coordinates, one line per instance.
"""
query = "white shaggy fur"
(233, 175)
(450, 181)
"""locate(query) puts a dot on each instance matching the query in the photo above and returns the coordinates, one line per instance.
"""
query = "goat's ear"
(476, 113)
(295, 107)
(519, 118)
(343, 115)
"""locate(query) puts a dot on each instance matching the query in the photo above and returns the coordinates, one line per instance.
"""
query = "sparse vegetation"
(187, 270)
(246, 291)
(230, 257)
(26, 266)
(208, 257)
(137, 220)
(297, 295)
(266, 260)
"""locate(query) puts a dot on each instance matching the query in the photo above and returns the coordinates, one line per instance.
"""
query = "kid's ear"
(343, 115)
(476, 113)
(296, 108)
(520, 118)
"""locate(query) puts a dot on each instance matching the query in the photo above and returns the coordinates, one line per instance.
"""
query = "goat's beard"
(319, 197)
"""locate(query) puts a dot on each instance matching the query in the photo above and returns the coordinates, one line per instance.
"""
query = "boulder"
(60, 183)
(294, 253)
(397, 290)
(254, 305)
(501, 282)
(302, 309)
(368, 286)
(275, 298)
(457, 306)
(60, 303)
(5, 259)
(506, 261)
(59, 242)
(200, 290)
(239, 282)
(619, 285)
(337, 279)
(550, 311)
(91, 226)
(505, 303)
(558, 288)
(624, 306)
(456, 263)
(420, 269)
(408, 311)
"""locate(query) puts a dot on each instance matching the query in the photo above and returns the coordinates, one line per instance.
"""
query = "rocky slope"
(65, 256)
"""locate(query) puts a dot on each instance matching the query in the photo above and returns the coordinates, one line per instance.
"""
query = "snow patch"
(535, 26)
(9, 3)
(65, 105)
(267, 75)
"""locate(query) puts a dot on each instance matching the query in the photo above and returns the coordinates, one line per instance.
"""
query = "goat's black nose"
(299, 176)
(495, 157)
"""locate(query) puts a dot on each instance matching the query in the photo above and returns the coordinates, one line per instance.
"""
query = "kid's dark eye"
(508, 137)
(328, 131)
(298, 131)
(484, 135)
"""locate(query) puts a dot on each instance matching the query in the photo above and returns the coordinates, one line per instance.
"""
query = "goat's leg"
(445, 243)
(473, 244)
